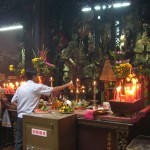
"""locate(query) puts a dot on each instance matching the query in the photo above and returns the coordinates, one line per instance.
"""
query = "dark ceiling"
(11, 10)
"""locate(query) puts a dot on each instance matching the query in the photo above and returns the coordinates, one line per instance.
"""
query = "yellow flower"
(11, 69)
(22, 71)
(11, 66)
(19, 70)
(123, 70)
(35, 60)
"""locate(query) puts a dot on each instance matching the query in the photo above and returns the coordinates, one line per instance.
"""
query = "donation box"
(53, 131)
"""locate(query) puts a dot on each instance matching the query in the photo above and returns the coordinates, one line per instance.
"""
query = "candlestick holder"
(77, 90)
(51, 84)
(94, 101)
(94, 94)
(51, 81)
(77, 97)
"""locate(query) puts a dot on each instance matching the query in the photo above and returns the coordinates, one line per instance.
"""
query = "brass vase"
(41, 79)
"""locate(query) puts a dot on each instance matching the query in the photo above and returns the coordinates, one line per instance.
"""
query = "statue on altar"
(142, 53)
(76, 64)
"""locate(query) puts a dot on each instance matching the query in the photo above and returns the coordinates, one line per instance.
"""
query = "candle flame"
(77, 80)
(51, 79)
(118, 88)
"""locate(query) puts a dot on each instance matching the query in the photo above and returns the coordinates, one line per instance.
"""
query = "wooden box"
(53, 131)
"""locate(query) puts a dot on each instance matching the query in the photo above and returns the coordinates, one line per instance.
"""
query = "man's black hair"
(30, 73)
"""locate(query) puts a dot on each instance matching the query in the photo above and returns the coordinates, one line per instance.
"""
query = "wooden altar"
(110, 132)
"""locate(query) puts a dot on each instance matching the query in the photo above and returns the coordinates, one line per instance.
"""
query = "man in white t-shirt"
(26, 98)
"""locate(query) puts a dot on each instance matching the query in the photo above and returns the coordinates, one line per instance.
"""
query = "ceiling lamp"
(123, 4)
(98, 17)
(86, 8)
(97, 7)
(14, 27)
(104, 7)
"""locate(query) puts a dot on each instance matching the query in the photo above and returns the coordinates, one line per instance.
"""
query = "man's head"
(31, 74)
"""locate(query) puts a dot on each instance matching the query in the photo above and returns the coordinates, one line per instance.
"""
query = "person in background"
(26, 99)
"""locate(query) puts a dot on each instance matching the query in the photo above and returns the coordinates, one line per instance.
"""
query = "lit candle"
(94, 89)
(94, 83)
(134, 92)
(131, 96)
(11, 85)
(128, 93)
(17, 84)
(137, 92)
(51, 81)
(77, 83)
(4, 85)
(125, 89)
(40, 80)
(71, 88)
(134, 81)
(83, 89)
(118, 92)
(77, 91)
(77, 80)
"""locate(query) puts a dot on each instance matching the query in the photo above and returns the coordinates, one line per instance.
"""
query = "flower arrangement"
(41, 65)
(123, 70)
(19, 69)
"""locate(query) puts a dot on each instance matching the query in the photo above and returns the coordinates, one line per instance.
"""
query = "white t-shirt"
(28, 95)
